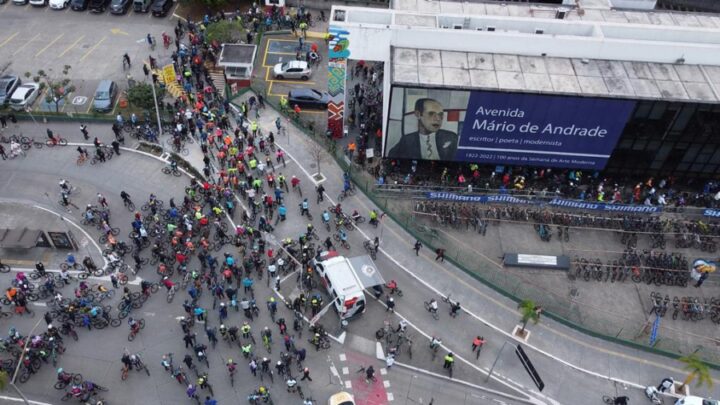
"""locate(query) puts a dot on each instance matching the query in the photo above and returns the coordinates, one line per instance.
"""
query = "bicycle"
(171, 294)
(129, 205)
(56, 141)
(4, 268)
(369, 378)
(81, 159)
(610, 400)
(432, 311)
(172, 170)
(133, 332)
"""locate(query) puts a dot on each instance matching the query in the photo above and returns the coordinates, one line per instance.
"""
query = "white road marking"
(13, 399)
(390, 396)
(346, 370)
(342, 357)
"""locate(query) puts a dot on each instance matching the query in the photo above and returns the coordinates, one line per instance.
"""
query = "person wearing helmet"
(454, 308)
(390, 304)
(40, 267)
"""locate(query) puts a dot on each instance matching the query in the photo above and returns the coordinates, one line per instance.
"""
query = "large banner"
(504, 128)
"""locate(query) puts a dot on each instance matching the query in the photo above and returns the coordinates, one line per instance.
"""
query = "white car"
(691, 400)
(295, 69)
(59, 4)
(24, 96)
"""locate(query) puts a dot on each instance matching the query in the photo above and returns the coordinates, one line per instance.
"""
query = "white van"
(691, 400)
(341, 283)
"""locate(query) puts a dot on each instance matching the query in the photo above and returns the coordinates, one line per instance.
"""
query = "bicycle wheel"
(184, 152)
(115, 322)
(4, 268)
(62, 142)
(80, 161)
(608, 400)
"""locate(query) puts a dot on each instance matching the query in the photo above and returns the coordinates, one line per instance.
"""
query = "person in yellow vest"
(283, 104)
(303, 29)
(254, 127)
(327, 37)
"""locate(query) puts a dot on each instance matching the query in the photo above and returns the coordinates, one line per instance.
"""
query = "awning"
(365, 271)
(21, 238)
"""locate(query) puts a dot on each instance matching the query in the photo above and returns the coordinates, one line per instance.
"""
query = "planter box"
(520, 336)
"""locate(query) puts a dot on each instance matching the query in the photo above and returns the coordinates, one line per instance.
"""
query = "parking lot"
(283, 48)
(41, 38)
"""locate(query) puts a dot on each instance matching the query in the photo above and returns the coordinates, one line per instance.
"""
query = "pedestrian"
(48, 318)
(126, 57)
(146, 70)
(114, 280)
(306, 374)
(417, 247)
(390, 302)
(83, 129)
(440, 254)
(702, 278)
(116, 147)
(665, 384)
(189, 340)
(253, 367)
(2, 152)
(3, 121)
(449, 359)
(477, 342)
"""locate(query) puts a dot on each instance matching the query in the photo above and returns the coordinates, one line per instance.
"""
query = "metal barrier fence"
(588, 319)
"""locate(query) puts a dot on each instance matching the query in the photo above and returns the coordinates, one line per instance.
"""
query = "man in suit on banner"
(429, 142)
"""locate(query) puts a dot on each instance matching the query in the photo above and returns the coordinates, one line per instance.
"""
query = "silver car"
(295, 69)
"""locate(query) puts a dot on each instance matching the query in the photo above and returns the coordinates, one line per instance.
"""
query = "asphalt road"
(97, 353)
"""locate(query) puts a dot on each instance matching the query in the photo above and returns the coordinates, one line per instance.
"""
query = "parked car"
(24, 96)
(38, 3)
(8, 84)
(79, 5)
(141, 6)
(20, 2)
(341, 398)
(692, 400)
(59, 4)
(308, 98)
(98, 6)
(295, 69)
(105, 96)
(160, 8)
(119, 6)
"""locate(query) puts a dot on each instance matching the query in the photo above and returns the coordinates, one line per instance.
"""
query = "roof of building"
(553, 75)
(590, 10)
(237, 53)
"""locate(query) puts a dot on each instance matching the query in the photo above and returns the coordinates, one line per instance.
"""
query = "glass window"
(658, 110)
(690, 154)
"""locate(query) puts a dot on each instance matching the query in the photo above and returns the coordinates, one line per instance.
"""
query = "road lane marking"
(93, 48)
(25, 44)
(49, 45)
(9, 39)
(71, 46)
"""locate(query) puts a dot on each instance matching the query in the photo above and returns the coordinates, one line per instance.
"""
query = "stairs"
(173, 88)
(218, 78)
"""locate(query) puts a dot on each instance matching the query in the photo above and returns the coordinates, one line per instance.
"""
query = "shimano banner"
(711, 213)
(555, 202)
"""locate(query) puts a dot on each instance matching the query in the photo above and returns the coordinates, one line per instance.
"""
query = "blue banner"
(555, 202)
(653, 334)
(541, 130)
(711, 213)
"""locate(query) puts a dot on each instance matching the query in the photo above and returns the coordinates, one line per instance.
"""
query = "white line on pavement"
(14, 399)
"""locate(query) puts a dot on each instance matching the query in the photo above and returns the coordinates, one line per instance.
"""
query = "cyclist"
(435, 342)
(392, 285)
(373, 217)
(342, 234)
(89, 264)
(454, 308)
(125, 197)
(191, 391)
(231, 365)
(433, 306)
(134, 325)
(145, 287)
(355, 216)
(370, 373)
(168, 283)
(305, 206)
(326, 217)
(40, 267)
(376, 243)
(621, 400)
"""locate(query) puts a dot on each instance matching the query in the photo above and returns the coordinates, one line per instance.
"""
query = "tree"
(56, 89)
(215, 3)
(224, 31)
(141, 96)
(317, 153)
(530, 312)
(697, 369)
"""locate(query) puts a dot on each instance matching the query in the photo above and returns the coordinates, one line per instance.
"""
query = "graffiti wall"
(337, 67)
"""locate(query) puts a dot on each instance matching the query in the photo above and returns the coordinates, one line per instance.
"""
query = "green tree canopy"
(696, 368)
(529, 312)
(224, 31)
(141, 96)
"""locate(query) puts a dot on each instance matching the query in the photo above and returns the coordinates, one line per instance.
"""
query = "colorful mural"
(338, 54)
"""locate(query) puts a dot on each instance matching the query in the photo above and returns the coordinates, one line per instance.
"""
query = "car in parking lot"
(341, 398)
(120, 6)
(160, 8)
(20, 2)
(141, 6)
(308, 98)
(79, 5)
(98, 6)
(38, 3)
(24, 96)
(693, 400)
(105, 96)
(295, 69)
(59, 4)
(8, 84)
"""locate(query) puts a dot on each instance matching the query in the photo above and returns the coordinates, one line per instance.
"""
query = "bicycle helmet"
(392, 299)
(230, 361)
(222, 304)
(279, 363)
(60, 370)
